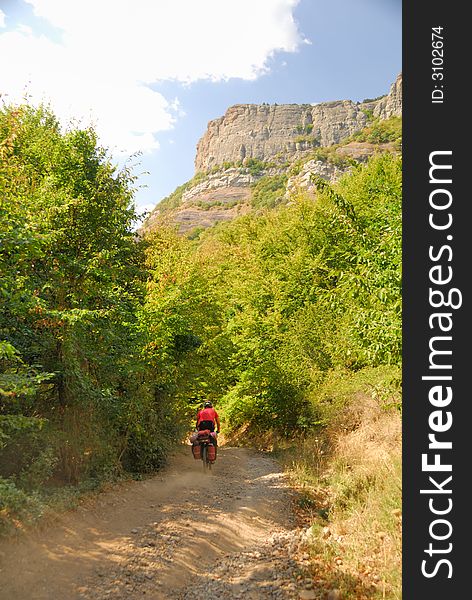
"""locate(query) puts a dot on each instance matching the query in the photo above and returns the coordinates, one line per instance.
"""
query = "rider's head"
(208, 404)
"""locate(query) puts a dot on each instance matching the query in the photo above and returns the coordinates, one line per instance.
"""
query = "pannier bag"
(196, 451)
(211, 452)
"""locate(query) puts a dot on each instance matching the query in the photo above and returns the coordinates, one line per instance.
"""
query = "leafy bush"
(74, 387)
(314, 287)
(13, 502)
(368, 113)
(255, 166)
(304, 129)
(381, 131)
(268, 191)
(323, 154)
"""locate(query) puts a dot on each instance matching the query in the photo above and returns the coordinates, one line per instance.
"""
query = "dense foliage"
(77, 398)
(109, 342)
(294, 294)
(381, 131)
(269, 191)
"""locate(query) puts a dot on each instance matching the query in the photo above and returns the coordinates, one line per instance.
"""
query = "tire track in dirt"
(180, 535)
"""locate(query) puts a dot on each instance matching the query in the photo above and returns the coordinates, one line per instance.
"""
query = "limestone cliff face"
(229, 185)
(276, 135)
(391, 105)
(287, 131)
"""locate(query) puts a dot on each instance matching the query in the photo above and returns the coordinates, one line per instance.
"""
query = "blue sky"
(151, 74)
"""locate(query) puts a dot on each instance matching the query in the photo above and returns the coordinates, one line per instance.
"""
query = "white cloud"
(112, 50)
(2, 18)
(25, 29)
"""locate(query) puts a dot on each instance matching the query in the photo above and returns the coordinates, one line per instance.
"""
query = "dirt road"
(180, 535)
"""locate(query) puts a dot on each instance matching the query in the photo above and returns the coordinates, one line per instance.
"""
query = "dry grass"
(350, 480)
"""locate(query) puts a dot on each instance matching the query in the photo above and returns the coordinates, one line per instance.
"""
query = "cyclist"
(207, 418)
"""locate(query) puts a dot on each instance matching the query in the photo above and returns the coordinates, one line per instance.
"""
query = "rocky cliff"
(391, 105)
(287, 131)
(251, 143)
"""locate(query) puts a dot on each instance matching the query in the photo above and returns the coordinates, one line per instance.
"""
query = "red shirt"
(207, 414)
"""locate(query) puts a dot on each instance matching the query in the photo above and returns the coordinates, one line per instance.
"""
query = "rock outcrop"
(287, 131)
(330, 171)
(224, 187)
(303, 181)
(275, 135)
(391, 105)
